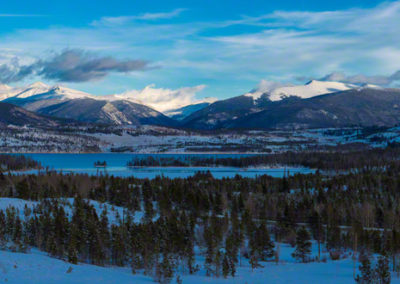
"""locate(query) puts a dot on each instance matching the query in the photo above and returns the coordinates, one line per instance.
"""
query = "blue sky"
(197, 49)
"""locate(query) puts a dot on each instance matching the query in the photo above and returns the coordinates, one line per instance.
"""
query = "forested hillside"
(169, 228)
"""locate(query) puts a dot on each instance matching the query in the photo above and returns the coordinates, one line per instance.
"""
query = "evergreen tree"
(366, 276)
(266, 246)
(382, 270)
(303, 245)
(3, 230)
(165, 271)
(225, 266)
(254, 257)
(72, 248)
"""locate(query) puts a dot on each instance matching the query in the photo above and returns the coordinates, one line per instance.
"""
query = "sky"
(185, 51)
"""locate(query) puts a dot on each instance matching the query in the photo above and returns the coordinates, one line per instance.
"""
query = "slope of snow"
(41, 91)
(68, 93)
(31, 90)
(309, 90)
(47, 92)
(276, 91)
(36, 267)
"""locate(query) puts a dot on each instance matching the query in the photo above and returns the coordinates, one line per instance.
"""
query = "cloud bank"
(362, 79)
(163, 99)
(121, 20)
(71, 65)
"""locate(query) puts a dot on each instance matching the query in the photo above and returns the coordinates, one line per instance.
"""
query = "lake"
(116, 165)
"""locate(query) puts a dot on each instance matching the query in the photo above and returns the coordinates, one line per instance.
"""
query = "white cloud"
(157, 16)
(162, 99)
(122, 20)
(361, 79)
(263, 87)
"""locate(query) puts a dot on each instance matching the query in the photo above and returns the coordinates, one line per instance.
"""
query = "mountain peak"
(311, 82)
(38, 85)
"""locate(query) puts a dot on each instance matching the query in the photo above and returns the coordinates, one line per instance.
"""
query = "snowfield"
(38, 268)
(277, 92)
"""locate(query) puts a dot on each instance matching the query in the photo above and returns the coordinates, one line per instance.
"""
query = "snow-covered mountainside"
(183, 112)
(59, 101)
(276, 100)
(38, 95)
(309, 90)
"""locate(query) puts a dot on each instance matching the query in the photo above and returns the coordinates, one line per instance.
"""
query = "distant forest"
(17, 162)
(324, 160)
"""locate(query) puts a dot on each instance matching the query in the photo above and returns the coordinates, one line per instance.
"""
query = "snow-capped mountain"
(38, 95)
(265, 98)
(59, 101)
(364, 107)
(270, 105)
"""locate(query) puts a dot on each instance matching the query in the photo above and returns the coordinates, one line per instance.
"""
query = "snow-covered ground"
(23, 139)
(36, 267)
(250, 141)
(153, 139)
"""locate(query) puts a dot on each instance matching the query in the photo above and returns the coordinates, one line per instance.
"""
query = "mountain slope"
(220, 112)
(183, 112)
(13, 115)
(105, 112)
(357, 107)
(226, 112)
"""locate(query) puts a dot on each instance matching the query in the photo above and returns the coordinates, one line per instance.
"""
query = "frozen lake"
(116, 165)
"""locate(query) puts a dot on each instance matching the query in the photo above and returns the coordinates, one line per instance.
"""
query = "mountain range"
(62, 102)
(271, 106)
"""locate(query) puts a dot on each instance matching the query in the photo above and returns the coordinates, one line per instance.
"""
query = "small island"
(100, 164)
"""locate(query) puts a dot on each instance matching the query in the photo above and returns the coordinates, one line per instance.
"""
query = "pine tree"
(366, 276)
(72, 249)
(2, 230)
(254, 256)
(17, 235)
(266, 246)
(232, 266)
(165, 271)
(210, 252)
(303, 245)
(225, 266)
(382, 270)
